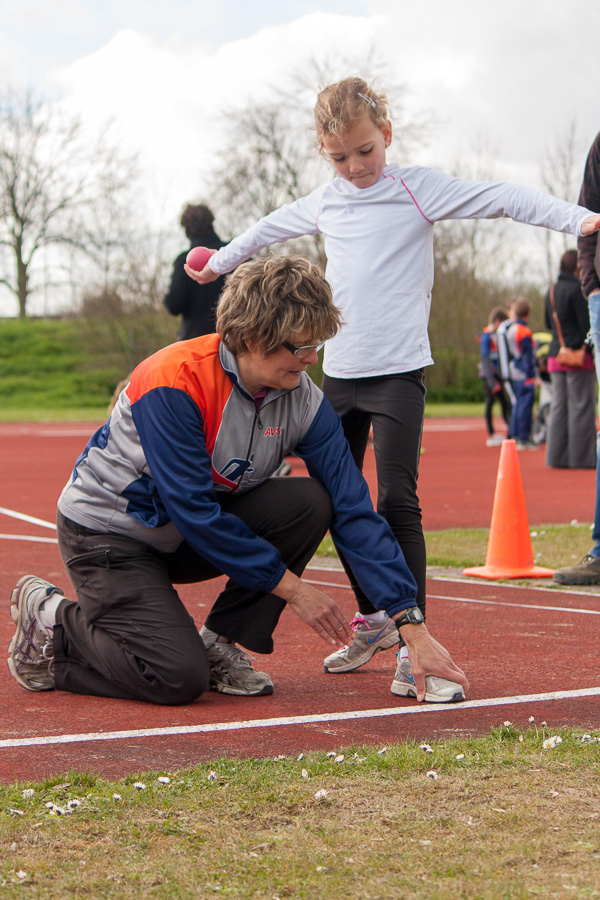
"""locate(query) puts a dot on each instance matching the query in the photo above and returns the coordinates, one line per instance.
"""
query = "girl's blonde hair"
(339, 106)
(272, 299)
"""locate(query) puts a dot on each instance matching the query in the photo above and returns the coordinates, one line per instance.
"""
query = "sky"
(509, 77)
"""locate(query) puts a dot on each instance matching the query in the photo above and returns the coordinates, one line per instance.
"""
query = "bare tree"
(54, 181)
(561, 169)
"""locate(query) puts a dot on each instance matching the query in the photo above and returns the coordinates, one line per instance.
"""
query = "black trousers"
(130, 636)
(490, 399)
(395, 406)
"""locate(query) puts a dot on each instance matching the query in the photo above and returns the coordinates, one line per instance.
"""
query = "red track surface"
(513, 642)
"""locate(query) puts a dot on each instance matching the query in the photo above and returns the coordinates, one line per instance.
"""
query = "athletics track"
(528, 651)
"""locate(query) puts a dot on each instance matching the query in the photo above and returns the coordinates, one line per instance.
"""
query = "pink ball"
(198, 257)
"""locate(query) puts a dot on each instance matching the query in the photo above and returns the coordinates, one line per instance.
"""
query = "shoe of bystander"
(585, 572)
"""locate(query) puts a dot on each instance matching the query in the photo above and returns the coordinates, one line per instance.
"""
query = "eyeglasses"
(303, 352)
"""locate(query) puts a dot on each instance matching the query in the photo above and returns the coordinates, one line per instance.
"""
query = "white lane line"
(25, 518)
(421, 709)
(553, 588)
(523, 606)
(25, 537)
(47, 431)
(573, 609)
(346, 587)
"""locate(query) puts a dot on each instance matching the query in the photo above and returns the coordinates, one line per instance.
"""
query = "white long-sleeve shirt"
(379, 246)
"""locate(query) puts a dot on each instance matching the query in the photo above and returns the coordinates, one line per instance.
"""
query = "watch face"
(412, 616)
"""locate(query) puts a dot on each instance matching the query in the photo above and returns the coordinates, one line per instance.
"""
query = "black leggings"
(395, 406)
(490, 399)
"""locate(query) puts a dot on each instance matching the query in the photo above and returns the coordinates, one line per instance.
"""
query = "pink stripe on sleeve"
(415, 202)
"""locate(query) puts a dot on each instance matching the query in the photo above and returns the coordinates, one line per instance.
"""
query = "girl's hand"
(206, 275)
(590, 225)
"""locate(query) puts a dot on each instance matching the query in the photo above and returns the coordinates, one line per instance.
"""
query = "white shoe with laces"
(437, 690)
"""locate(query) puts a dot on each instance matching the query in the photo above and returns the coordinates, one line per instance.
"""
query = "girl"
(377, 221)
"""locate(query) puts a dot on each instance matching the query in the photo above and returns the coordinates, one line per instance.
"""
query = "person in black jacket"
(571, 442)
(588, 570)
(195, 303)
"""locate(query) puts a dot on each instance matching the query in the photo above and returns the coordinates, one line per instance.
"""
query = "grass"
(54, 414)
(34, 408)
(504, 818)
(45, 370)
(552, 545)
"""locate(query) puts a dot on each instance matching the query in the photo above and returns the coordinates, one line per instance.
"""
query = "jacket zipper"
(257, 419)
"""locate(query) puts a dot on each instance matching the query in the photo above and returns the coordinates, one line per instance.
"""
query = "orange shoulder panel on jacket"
(194, 367)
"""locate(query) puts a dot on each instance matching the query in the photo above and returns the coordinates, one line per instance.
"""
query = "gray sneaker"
(437, 690)
(585, 572)
(30, 651)
(231, 671)
(368, 641)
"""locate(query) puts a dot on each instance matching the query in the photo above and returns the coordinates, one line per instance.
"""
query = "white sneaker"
(370, 638)
(494, 440)
(437, 690)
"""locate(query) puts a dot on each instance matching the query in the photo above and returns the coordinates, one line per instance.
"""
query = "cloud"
(167, 98)
(519, 72)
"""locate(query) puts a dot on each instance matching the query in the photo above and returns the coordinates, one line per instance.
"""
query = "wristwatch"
(412, 616)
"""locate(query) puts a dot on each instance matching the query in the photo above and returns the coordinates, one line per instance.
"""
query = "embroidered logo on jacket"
(235, 468)
(273, 431)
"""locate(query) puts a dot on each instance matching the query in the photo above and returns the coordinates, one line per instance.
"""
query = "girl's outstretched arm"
(290, 221)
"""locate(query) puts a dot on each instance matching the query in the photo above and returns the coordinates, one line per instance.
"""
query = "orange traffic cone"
(509, 553)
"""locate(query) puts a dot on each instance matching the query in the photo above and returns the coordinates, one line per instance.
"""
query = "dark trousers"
(571, 442)
(130, 636)
(488, 409)
(395, 406)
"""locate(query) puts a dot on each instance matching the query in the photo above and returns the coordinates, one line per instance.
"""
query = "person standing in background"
(519, 340)
(588, 570)
(195, 303)
(571, 442)
(490, 372)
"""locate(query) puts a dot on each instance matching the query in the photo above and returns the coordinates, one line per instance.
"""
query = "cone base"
(496, 572)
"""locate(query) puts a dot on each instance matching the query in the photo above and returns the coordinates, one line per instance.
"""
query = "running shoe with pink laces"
(370, 639)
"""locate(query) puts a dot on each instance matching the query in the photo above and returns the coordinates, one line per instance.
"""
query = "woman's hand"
(316, 609)
(590, 225)
(428, 657)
